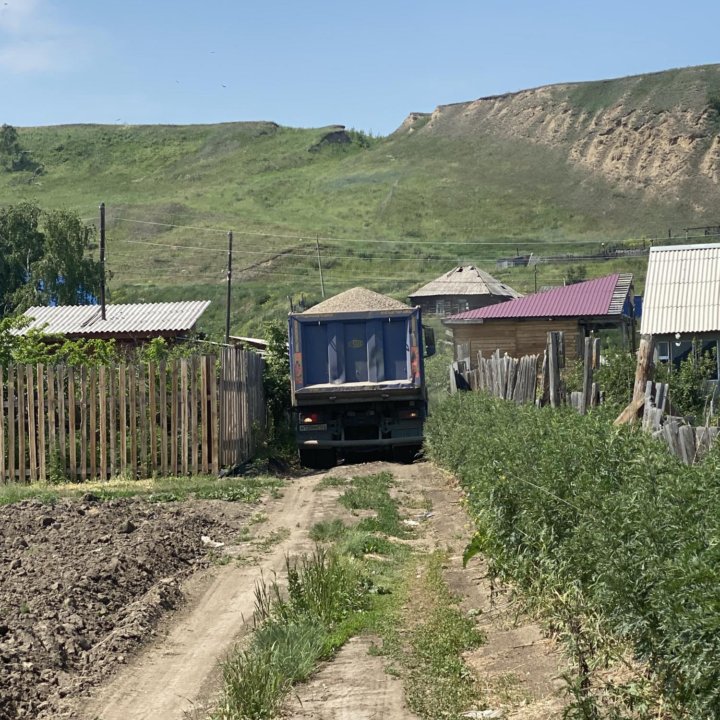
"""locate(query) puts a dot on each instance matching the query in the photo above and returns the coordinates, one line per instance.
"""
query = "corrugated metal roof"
(591, 298)
(682, 290)
(464, 281)
(139, 318)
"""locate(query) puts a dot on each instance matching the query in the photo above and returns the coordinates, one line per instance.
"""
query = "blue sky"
(314, 63)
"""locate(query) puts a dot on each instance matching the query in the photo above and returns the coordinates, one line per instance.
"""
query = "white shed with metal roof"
(681, 306)
(138, 321)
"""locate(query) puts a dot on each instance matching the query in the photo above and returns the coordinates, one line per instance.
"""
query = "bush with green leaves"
(608, 535)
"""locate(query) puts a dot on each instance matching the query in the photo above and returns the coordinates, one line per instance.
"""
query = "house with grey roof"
(129, 324)
(465, 287)
(681, 304)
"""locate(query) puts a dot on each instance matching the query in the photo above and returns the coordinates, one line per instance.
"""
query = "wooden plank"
(122, 419)
(112, 420)
(42, 446)
(103, 437)
(21, 409)
(52, 417)
(83, 422)
(3, 465)
(185, 418)
(587, 375)
(71, 408)
(152, 391)
(554, 368)
(93, 420)
(214, 418)
(194, 402)
(163, 405)
(143, 419)
(204, 416)
(174, 419)
(686, 441)
(132, 380)
(31, 422)
(62, 416)
(11, 423)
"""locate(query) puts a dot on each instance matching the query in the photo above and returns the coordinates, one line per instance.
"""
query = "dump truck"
(357, 377)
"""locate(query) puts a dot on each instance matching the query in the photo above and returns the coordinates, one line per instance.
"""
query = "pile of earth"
(83, 582)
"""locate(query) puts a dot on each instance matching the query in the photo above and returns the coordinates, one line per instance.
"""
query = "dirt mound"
(82, 583)
(357, 299)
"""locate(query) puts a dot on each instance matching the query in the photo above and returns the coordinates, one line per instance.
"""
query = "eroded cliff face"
(645, 141)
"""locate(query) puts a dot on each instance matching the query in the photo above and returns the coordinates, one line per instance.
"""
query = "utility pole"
(102, 260)
(229, 287)
(322, 283)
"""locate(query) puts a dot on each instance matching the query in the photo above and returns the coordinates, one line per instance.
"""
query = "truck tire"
(318, 458)
(406, 453)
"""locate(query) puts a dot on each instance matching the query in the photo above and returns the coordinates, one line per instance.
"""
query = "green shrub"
(605, 532)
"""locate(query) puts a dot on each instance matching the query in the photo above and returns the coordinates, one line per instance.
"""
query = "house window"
(663, 351)
(463, 305)
(440, 307)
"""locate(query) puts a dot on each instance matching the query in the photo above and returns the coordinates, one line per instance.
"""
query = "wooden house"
(132, 324)
(519, 327)
(463, 288)
(681, 305)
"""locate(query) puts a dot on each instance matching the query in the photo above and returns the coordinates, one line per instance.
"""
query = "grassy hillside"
(391, 213)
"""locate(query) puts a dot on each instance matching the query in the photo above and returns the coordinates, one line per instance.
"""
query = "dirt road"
(176, 674)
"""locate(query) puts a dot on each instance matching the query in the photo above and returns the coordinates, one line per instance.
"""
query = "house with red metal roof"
(519, 327)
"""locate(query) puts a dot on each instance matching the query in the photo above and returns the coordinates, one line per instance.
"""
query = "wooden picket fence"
(503, 377)
(180, 417)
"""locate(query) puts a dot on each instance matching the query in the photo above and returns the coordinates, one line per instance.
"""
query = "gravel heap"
(357, 299)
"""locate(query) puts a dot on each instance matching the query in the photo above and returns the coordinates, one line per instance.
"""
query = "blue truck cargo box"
(356, 351)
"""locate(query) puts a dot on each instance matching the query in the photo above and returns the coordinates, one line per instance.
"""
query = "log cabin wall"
(515, 337)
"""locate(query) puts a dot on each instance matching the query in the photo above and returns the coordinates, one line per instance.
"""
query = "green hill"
(551, 170)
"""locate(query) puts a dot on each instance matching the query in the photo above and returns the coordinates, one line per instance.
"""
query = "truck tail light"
(409, 414)
(309, 418)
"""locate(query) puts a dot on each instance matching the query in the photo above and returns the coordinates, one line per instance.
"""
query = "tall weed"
(613, 538)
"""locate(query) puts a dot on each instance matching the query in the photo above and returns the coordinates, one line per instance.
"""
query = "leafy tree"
(12, 156)
(277, 373)
(44, 258)
(575, 274)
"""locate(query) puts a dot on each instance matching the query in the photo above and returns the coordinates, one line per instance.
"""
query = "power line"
(404, 241)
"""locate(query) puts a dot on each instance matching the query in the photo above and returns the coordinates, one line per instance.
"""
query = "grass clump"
(328, 530)
(371, 492)
(162, 489)
(323, 607)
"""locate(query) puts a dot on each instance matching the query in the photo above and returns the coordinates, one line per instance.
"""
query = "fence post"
(554, 367)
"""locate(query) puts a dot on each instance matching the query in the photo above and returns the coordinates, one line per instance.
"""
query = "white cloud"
(32, 40)
(18, 16)
(32, 56)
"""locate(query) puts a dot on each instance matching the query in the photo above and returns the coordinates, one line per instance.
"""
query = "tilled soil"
(83, 582)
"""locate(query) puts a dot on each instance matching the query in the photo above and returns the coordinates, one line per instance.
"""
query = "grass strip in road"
(362, 579)
(424, 638)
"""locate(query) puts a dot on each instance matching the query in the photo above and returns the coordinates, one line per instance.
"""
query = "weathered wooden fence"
(517, 379)
(505, 377)
(688, 442)
(180, 417)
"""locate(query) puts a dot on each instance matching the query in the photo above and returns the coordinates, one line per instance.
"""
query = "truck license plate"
(305, 428)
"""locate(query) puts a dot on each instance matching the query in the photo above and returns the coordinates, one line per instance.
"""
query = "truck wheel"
(406, 453)
(318, 459)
